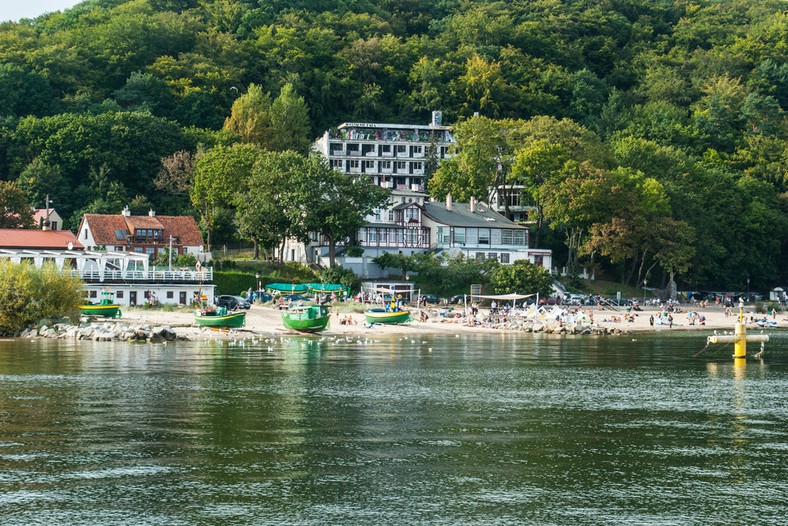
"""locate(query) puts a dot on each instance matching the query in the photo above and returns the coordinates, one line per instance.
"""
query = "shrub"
(29, 294)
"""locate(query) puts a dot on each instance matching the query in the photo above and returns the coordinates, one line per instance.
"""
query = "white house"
(147, 234)
(128, 274)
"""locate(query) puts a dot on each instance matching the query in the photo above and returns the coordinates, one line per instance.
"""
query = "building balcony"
(145, 276)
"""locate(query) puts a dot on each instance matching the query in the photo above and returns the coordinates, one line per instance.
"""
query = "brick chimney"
(126, 212)
(151, 213)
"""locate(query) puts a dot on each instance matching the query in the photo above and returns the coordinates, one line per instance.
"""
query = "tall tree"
(15, 209)
(251, 117)
(337, 205)
(290, 127)
(218, 176)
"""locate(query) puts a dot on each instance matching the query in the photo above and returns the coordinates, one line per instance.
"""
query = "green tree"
(15, 210)
(336, 205)
(270, 203)
(522, 277)
(290, 127)
(219, 174)
(251, 117)
(29, 294)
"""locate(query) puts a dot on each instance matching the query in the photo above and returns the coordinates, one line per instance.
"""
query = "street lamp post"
(644, 291)
(47, 222)
(257, 277)
(748, 289)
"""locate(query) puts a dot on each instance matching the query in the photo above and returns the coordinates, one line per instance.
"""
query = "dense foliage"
(685, 99)
(28, 294)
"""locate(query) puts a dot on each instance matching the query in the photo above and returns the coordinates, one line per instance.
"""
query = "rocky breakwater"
(105, 332)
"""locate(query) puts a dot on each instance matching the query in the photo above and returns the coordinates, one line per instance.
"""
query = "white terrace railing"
(150, 276)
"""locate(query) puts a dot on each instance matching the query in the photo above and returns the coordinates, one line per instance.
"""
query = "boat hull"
(227, 321)
(381, 316)
(109, 311)
(315, 325)
(306, 319)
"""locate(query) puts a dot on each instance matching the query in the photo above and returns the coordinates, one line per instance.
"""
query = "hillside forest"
(649, 135)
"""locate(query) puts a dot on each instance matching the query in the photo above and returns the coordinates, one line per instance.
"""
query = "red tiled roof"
(103, 227)
(147, 222)
(182, 227)
(40, 239)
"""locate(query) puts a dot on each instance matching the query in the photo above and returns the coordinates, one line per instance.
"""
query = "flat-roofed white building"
(394, 156)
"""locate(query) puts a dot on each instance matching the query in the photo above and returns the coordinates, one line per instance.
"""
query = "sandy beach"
(264, 320)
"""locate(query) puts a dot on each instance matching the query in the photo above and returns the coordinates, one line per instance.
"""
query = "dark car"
(459, 298)
(232, 302)
(549, 301)
(430, 299)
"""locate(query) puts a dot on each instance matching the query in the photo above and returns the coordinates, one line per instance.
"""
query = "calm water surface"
(436, 430)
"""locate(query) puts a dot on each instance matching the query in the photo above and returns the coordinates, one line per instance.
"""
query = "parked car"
(459, 298)
(232, 302)
(549, 301)
(430, 299)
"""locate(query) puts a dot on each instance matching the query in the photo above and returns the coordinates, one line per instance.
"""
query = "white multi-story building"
(395, 156)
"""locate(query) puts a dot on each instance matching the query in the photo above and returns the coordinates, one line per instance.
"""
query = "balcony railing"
(150, 276)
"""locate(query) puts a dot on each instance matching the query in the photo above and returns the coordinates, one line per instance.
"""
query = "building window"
(506, 237)
(401, 166)
(401, 150)
(352, 164)
(170, 294)
(504, 258)
(385, 165)
(418, 165)
(391, 215)
(459, 236)
(480, 255)
(369, 165)
(93, 294)
(443, 235)
(518, 238)
(377, 215)
(492, 255)
(484, 236)
(418, 150)
(336, 163)
(85, 236)
(119, 294)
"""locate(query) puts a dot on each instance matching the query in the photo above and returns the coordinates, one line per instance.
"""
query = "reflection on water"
(423, 430)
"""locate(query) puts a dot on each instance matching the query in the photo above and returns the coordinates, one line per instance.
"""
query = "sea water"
(487, 429)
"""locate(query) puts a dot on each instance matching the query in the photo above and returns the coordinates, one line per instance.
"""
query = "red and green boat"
(106, 307)
(219, 318)
(384, 316)
(306, 318)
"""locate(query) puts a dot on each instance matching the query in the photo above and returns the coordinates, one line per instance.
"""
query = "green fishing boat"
(384, 316)
(306, 318)
(219, 318)
(106, 307)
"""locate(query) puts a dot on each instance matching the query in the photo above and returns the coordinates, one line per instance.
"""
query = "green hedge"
(233, 282)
